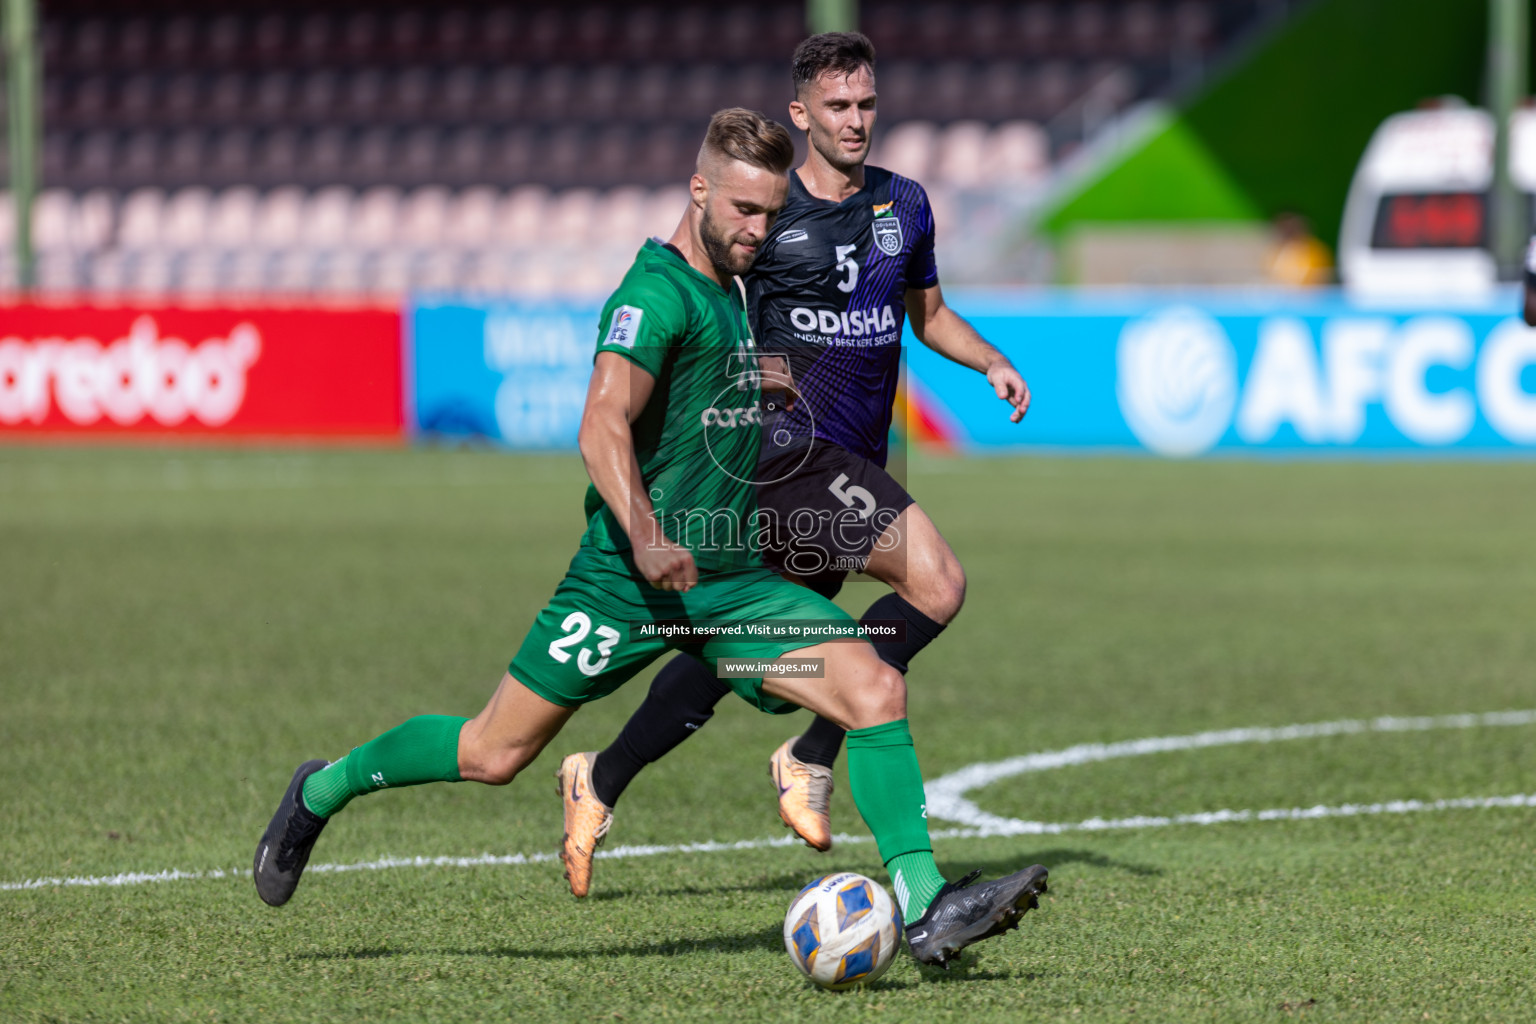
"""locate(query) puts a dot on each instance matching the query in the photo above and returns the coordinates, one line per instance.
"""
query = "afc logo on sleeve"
(624, 326)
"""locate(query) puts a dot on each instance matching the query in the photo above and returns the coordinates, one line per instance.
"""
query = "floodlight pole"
(832, 16)
(22, 72)
(1508, 41)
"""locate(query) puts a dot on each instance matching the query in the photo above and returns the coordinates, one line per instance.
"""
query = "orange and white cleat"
(805, 793)
(587, 820)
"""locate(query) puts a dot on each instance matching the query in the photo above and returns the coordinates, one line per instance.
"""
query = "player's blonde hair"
(740, 134)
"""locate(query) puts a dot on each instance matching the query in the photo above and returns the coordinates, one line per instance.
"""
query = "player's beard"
(718, 248)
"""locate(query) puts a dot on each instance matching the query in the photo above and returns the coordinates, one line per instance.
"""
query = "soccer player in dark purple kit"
(849, 259)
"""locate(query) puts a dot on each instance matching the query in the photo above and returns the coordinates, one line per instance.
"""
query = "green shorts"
(591, 637)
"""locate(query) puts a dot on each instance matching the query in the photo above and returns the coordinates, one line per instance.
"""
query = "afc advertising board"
(1244, 372)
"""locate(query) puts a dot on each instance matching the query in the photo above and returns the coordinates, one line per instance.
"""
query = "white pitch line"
(1019, 828)
(950, 787)
(1025, 828)
(946, 795)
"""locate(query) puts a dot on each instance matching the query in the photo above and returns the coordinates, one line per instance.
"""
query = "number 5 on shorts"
(849, 495)
(576, 626)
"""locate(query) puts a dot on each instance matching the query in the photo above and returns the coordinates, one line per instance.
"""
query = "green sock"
(326, 791)
(421, 749)
(917, 881)
(888, 791)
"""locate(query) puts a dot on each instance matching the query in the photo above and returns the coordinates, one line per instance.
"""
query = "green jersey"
(697, 437)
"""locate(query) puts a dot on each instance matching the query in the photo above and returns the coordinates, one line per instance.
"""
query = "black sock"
(919, 630)
(821, 742)
(682, 698)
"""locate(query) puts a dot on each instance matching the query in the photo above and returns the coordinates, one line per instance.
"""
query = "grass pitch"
(178, 629)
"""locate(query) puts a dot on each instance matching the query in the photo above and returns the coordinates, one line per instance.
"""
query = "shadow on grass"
(960, 971)
(787, 883)
(790, 882)
(1052, 859)
(967, 968)
(764, 939)
(771, 938)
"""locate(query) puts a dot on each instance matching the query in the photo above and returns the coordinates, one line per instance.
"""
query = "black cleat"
(285, 845)
(963, 913)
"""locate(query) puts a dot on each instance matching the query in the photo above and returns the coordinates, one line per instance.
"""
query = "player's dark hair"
(831, 53)
(748, 136)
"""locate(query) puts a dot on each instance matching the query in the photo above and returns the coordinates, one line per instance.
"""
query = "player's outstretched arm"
(615, 398)
(948, 334)
(1528, 292)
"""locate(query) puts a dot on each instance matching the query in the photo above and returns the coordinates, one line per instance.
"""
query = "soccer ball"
(842, 930)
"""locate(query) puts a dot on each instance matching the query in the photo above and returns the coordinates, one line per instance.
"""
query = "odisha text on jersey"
(854, 323)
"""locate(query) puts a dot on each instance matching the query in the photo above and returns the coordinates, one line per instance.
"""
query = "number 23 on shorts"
(576, 626)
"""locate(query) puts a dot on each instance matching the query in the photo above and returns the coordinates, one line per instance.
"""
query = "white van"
(1416, 223)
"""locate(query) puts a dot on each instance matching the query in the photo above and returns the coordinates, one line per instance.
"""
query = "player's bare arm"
(947, 333)
(616, 396)
(775, 375)
(1528, 291)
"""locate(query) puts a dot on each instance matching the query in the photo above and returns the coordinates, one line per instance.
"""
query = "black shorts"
(824, 510)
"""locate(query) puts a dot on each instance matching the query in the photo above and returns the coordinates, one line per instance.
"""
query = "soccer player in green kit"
(668, 433)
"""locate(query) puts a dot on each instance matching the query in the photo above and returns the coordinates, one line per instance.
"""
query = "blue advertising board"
(513, 372)
(1299, 373)
(1174, 375)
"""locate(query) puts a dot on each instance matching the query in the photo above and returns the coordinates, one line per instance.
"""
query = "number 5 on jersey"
(576, 626)
(846, 263)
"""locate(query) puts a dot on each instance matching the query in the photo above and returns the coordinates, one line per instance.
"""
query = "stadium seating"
(299, 146)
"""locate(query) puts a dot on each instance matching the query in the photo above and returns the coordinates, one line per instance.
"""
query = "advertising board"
(515, 373)
(94, 371)
(1299, 373)
(1293, 373)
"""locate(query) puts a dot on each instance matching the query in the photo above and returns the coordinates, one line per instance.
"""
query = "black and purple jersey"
(828, 289)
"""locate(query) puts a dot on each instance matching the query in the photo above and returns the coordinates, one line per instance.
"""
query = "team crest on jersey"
(624, 326)
(888, 235)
